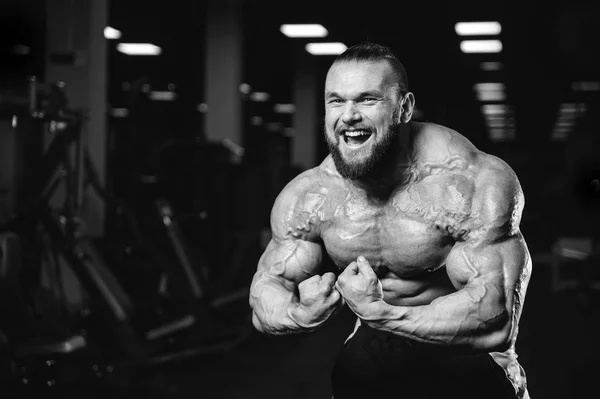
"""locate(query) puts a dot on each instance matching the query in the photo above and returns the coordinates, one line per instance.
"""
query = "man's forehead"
(370, 73)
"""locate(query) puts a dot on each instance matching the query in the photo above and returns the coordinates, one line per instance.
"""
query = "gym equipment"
(116, 327)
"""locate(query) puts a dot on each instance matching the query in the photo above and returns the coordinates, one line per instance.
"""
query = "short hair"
(367, 51)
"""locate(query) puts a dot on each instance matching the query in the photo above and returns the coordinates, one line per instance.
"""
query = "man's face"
(362, 112)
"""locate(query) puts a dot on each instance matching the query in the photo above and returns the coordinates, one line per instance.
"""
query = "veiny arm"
(286, 294)
(490, 267)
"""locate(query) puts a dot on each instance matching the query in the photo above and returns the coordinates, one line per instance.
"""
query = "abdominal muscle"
(418, 290)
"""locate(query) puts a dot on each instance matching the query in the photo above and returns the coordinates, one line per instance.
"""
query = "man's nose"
(351, 114)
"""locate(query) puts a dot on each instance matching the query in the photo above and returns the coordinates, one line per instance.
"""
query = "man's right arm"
(287, 295)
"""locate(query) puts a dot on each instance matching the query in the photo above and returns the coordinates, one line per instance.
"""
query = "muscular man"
(424, 228)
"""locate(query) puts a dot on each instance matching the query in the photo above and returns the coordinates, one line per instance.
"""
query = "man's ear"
(408, 107)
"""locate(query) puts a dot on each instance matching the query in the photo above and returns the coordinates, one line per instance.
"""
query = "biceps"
(467, 264)
(292, 260)
(500, 269)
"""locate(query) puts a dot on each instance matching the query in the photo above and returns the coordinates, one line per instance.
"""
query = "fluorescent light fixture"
(495, 117)
(564, 123)
(495, 109)
(112, 33)
(501, 134)
(572, 108)
(497, 134)
(489, 86)
(333, 48)
(303, 30)
(119, 112)
(585, 86)
(559, 135)
(139, 49)
(260, 96)
(284, 108)
(495, 123)
(491, 66)
(491, 96)
(162, 95)
(481, 46)
(559, 128)
(477, 28)
(490, 91)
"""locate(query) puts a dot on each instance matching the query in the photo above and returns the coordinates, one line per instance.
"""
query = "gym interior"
(142, 144)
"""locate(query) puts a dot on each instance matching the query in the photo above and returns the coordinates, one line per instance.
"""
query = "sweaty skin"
(439, 258)
(445, 247)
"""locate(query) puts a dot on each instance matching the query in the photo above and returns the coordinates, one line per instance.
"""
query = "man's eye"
(335, 101)
(369, 99)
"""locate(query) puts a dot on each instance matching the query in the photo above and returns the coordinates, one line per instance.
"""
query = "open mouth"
(356, 138)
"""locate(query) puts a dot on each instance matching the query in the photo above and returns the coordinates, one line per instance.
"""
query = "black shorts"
(378, 365)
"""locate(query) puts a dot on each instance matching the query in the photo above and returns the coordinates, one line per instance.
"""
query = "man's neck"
(395, 171)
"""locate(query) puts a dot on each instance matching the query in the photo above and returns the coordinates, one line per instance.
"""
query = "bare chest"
(409, 234)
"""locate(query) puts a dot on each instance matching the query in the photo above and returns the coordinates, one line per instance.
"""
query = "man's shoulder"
(310, 188)
(301, 204)
(496, 192)
(435, 143)
(438, 144)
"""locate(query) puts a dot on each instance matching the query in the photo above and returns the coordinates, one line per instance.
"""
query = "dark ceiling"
(545, 50)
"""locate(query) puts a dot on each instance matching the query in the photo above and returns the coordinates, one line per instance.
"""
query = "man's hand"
(360, 287)
(319, 300)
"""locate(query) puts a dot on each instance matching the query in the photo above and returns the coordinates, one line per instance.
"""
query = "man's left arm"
(490, 267)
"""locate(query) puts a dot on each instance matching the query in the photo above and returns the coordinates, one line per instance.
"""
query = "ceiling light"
(138, 49)
(260, 96)
(112, 33)
(491, 96)
(559, 135)
(491, 66)
(481, 46)
(478, 28)
(501, 134)
(489, 86)
(284, 108)
(326, 48)
(585, 86)
(303, 30)
(490, 91)
(495, 109)
(119, 112)
(162, 95)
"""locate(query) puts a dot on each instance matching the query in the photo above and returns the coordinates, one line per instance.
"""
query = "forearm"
(473, 318)
(272, 304)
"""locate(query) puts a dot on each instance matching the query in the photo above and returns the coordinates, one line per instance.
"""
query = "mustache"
(340, 129)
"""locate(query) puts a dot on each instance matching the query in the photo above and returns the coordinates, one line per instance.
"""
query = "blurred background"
(142, 144)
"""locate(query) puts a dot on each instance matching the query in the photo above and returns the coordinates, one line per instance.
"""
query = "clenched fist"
(319, 300)
(360, 287)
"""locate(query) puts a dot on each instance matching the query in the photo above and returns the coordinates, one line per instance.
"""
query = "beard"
(382, 155)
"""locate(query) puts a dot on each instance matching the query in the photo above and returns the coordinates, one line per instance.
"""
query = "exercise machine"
(117, 328)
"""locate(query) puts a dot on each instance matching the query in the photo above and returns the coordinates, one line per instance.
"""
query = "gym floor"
(558, 347)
